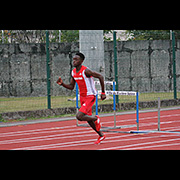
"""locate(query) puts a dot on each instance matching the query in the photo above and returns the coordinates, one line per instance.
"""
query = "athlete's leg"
(90, 119)
(85, 113)
(84, 117)
(92, 124)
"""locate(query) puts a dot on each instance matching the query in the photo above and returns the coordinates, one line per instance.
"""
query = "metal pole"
(174, 65)
(114, 104)
(137, 110)
(97, 103)
(59, 36)
(77, 107)
(115, 64)
(159, 106)
(2, 36)
(48, 71)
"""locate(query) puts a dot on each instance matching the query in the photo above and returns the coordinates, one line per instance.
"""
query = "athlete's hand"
(103, 96)
(59, 81)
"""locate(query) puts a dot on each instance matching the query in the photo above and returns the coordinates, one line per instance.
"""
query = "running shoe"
(98, 124)
(100, 139)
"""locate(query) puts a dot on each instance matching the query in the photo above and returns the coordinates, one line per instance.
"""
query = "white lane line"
(154, 146)
(139, 144)
(84, 142)
(17, 133)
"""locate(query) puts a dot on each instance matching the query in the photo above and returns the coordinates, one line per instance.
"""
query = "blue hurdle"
(114, 93)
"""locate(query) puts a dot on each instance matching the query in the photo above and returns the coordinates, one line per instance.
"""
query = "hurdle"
(114, 93)
(158, 130)
(124, 93)
(96, 105)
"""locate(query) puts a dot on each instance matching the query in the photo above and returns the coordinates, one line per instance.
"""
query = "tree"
(151, 34)
(69, 35)
(37, 36)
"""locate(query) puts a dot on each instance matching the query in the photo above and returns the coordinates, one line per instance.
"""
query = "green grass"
(148, 97)
(34, 103)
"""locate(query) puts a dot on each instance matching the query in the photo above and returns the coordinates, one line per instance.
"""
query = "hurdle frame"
(107, 129)
(158, 124)
(114, 93)
(96, 106)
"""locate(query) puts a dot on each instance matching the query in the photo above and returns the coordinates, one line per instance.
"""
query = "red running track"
(65, 135)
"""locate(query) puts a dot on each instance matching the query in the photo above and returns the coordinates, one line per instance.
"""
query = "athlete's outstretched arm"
(95, 74)
(68, 86)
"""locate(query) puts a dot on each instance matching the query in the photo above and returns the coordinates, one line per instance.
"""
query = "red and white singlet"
(86, 84)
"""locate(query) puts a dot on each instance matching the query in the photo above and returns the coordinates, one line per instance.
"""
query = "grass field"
(34, 103)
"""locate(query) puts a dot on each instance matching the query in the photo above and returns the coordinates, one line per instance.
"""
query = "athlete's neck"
(78, 68)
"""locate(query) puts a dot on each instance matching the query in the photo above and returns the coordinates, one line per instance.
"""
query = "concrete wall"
(92, 46)
(23, 68)
(142, 65)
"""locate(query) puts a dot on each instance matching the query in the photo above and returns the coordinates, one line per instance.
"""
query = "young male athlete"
(84, 78)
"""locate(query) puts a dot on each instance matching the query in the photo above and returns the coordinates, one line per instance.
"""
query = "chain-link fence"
(145, 63)
(23, 71)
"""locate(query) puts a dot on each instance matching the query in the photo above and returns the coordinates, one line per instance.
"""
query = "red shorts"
(87, 103)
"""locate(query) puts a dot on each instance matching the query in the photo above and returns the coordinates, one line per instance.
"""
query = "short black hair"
(81, 55)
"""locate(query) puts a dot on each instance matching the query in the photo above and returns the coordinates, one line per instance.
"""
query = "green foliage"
(151, 34)
(37, 36)
(107, 32)
(69, 35)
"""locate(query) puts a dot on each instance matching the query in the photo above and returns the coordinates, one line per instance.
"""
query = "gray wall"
(92, 46)
(142, 65)
(23, 68)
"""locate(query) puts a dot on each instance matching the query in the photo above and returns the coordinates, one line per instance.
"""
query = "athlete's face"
(77, 61)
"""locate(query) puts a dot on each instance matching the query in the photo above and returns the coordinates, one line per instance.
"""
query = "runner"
(84, 78)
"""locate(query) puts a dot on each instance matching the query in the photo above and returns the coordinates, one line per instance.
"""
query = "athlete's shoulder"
(84, 67)
(88, 72)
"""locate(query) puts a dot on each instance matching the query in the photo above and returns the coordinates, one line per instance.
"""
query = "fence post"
(137, 110)
(48, 71)
(115, 65)
(174, 65)
(2, 36)
(159, 106)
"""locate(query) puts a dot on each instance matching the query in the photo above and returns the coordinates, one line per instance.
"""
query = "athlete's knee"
(79, 116)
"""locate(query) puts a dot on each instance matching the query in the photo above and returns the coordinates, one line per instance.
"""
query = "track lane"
(65, 135)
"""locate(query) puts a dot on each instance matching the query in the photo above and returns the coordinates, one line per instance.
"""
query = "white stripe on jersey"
(91, 90)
